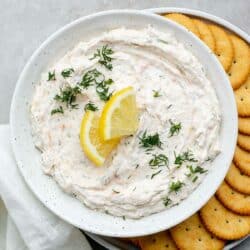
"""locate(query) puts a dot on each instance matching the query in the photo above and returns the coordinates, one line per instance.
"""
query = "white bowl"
(28, 158)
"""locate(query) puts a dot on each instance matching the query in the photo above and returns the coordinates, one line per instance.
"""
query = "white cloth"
(30, 225)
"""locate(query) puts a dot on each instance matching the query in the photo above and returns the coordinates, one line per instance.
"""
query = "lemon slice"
(120, 115)
(93, 146)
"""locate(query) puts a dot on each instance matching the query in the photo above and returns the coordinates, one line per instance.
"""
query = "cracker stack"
(226, 216)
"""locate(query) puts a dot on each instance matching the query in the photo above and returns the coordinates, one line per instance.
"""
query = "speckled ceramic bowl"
(28, 158)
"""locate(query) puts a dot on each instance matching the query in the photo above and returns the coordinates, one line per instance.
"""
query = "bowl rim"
(15, 148)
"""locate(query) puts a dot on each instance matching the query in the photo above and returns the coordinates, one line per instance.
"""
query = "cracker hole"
(234, 61)
(199, 226)
(227, 221)
(242, 99)
(215, 209)
(232, 192)
(212, 237)
(153, 240)
(199, 239)
(167, 246)
(229, 74)
(239, 220)
(218, 54)
(187, 229)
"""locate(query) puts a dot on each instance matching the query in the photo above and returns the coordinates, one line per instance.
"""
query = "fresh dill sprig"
(166, 201)
(184, 157)
(102, 90)
(149, 141)
(95, 77)
(57, 110)
(158, 161)
(91, 77)
(51, 76)
(154, 174)
(67, 72)
(176, 186)
(104, 55)
(68, 96)
(156, 93)
(193, 171)
(90, 106)
(174, 129)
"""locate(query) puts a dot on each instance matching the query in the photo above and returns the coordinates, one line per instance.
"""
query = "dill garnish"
(193, 171)
(104, 56)
(158, 161)
(174, 129)
(156, 93)
(166, 201)
(57, 110)
(184, 157)
(90, 106)
(154, 174)
(68, 96)
(51, 76)
(95, 77)
(149, 141)
(102, 90)
(67, 72)
(175, 186)
(91, 77)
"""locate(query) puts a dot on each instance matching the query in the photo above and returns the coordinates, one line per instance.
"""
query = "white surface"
(28, 158)
(25, 24)
(39, 229)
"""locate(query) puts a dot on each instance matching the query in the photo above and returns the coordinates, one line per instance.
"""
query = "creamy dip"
(171, 88)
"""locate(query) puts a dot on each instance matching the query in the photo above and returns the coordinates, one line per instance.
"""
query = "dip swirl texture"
(171, 88)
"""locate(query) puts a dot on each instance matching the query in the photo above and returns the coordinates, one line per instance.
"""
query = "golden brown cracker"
(238, 180)
(224, 223)
(244, 125)
(240, 67)
(224, 47)
(205, 34)
(244, 141)
(242, 97)
(184, 21)
(159, 241)
(233, 200)
(191, 234)
(242, 160)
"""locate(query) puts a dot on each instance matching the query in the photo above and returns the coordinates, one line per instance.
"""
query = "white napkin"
(37, 227)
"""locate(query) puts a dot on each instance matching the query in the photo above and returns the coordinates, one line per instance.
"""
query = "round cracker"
(233, 200)
(240, 67)
(242, 160)
(205, 34)
(159, 241)
(191, 234)
(244, 141)
(184, 21)
(224, 47)
(224, 223)
(242, 97)
(238, 180)
(244, 125)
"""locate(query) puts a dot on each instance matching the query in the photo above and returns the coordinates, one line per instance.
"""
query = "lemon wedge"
(93, 146)
(120, 115)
